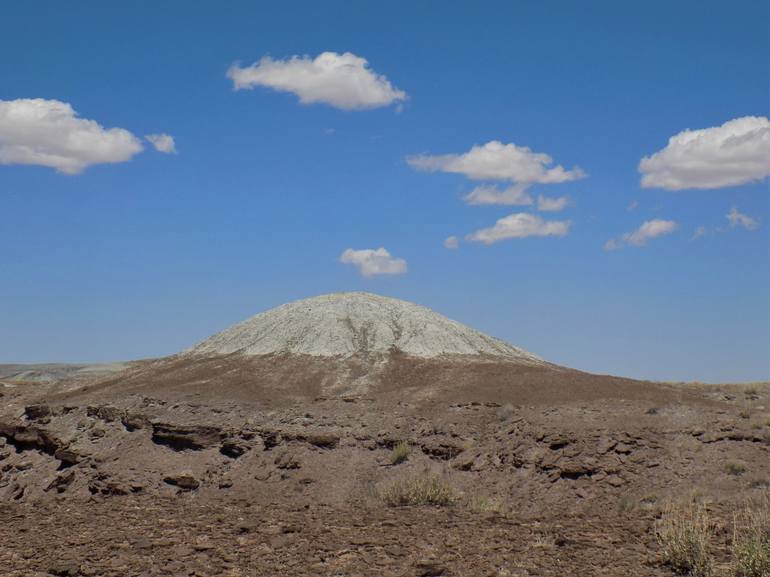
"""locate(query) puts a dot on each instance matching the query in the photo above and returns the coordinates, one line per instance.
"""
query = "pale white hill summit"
(355, 324)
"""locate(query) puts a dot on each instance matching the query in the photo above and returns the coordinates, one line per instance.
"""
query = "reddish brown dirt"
(276, 466)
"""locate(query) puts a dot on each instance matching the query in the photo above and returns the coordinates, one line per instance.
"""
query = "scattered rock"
(61, 482)
(185, 481)
(323, 440)
(106, 413)
(430, 568)
(615, 480)
(233, 448)
(68, 457)
(64, 569)
(287, 460)
(35, 412)
(135, 421)
(182, 438)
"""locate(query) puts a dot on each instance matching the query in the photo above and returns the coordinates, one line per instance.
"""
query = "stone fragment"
(35, 412)
(185, 481)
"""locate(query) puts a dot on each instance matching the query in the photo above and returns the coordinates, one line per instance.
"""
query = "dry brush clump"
(400, 453)
(751, 540)
(733, 468)
(418, 489)
(684, 534)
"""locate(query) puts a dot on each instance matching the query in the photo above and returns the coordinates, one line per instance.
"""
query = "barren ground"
(274, 467)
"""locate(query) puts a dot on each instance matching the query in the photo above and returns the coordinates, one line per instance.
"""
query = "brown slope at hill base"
(284, 379)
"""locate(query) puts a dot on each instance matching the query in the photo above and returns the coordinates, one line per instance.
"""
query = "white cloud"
(547, 204)
(699, 232)
(340, 80)
(373, 262)
(520, 225)
(497, 161)
(738, 152)
(451, 242)
(650, 229)
(612, 244)
(162, 142)
(490, 194)
(49, 133)
(736, 218)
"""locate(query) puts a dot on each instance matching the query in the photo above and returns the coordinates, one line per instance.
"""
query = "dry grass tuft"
(481, 504)
(751, 540)
(685, 533)
(422, 489)
(732, 468)
(400, 453)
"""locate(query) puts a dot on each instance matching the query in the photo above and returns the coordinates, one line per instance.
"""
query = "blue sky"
(151, 252)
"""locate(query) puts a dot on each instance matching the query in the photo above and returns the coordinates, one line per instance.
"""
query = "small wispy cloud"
(515, 195)
(520, 225)
(737, 218)
(648, 230)
(451, 242)
(699, 232)
(374, 262)
(162, 142)
(497, 161)
(548, 204)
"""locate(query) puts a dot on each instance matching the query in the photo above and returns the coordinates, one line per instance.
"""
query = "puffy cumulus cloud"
(451, 242)
(340, 80)
(162, 142)
(650, 229)
(50, 133)
(738, 152)
(520, 225)
(490, 194)
(497, 161)
(373, 262)
(547, 204)
(736, 218)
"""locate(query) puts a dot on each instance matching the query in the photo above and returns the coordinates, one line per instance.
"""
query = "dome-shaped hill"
(355, 324)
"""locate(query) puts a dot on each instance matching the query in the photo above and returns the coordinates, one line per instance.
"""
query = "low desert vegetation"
(684, 534)
(424, 488)
(400, 453)
(732, 468)
(505, 413)
(481, 504)
(751, 540)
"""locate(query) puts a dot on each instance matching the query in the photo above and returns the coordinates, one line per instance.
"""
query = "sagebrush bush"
(421, 489)
(684, 534)
(732, 468)
(481, 504)
(400, 453)
(751, 540)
